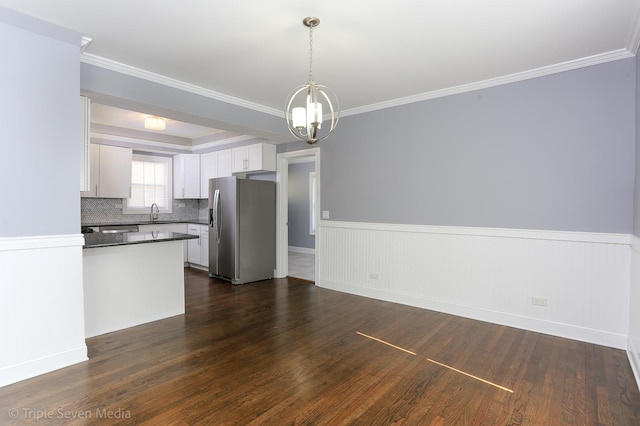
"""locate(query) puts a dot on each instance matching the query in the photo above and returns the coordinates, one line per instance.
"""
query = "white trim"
(42, 365)
(313, 188)
(632, 354)
(488, 274)
(615, 55)
(634, 39)
(108, 64)
(303, 250)
(221, 142)
(282, 205)
(498, 81)
(568, 331)
(44, 285)
(169, 148)
(589, 237)
(40, 242)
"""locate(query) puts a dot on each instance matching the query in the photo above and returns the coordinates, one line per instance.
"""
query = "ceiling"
(371, 53)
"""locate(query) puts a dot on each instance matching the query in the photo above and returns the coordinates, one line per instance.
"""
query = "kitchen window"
(150, 183)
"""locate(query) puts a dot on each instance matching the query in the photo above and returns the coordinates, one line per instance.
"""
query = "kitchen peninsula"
(132, 278)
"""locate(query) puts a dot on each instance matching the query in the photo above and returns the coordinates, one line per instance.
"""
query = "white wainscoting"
(633, 344)
(41, 305)
(488, 274)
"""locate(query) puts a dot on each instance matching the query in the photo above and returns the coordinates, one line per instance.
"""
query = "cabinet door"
(254, 154)
(94, 172)
(240, 159)
(194, 246)
(115, 172)
(186, 176)
(224, 163)
(254, 158)
(208, 170)
(192, 176)
(204, 245)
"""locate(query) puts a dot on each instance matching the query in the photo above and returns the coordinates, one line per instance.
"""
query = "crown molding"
(615, 55)
(167, 147)
(512, 78)
(221, 142)
(108, 64)
(634, 39)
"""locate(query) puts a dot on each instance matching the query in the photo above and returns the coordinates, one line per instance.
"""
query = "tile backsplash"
(95, 211)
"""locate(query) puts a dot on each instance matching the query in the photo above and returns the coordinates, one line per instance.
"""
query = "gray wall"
(39, 106)
(299, 206)
(554, 153)
(112, 88)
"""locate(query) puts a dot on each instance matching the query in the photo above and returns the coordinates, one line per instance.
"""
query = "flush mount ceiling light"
(155, 123)
(305, 104)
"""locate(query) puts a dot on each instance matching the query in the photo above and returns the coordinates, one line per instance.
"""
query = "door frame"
(282, 207)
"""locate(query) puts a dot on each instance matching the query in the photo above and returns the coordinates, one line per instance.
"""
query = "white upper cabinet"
(224, 163)
(186, 176)
(110, 172)
(208, 170)
(260, 157)
(213, 165)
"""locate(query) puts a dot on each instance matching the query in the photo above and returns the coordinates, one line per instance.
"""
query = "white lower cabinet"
(204, 247)
(199, 249)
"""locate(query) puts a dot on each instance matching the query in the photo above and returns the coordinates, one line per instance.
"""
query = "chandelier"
(307, 103)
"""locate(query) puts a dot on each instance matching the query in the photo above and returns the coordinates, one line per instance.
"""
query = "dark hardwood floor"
(285, 352)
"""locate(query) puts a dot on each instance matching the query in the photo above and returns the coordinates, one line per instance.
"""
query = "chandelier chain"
(311, 53)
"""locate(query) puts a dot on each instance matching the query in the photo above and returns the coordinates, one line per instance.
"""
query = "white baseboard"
(488, 274)
(526, 323)
(46, 364)
(304, 250)
(632, 354)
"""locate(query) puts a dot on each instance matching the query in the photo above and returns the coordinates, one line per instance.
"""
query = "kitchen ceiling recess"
(306, 103)
(155, 123)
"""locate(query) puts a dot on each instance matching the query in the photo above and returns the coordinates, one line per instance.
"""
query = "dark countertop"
(97, 239)
(146, 222)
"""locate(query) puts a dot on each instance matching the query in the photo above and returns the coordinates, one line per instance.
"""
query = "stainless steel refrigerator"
(242, 229)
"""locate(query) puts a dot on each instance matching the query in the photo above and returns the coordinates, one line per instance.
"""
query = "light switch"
(325, 214)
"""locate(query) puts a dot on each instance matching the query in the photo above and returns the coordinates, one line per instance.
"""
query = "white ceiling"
(118, 117)
(371, 53)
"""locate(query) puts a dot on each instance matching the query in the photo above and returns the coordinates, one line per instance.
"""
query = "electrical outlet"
(539, 301)
(374, 275)
(325, 214)
(180, 205)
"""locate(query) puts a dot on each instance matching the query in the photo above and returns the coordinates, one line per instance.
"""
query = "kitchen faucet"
(154, 214)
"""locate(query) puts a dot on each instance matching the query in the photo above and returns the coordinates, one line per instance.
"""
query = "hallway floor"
(302, 265)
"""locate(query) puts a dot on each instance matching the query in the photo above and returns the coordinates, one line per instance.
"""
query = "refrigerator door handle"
(217, 228)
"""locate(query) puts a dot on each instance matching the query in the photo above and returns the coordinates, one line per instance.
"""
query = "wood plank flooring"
(284, 352)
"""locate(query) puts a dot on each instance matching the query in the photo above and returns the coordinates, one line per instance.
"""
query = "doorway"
(282, 211)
